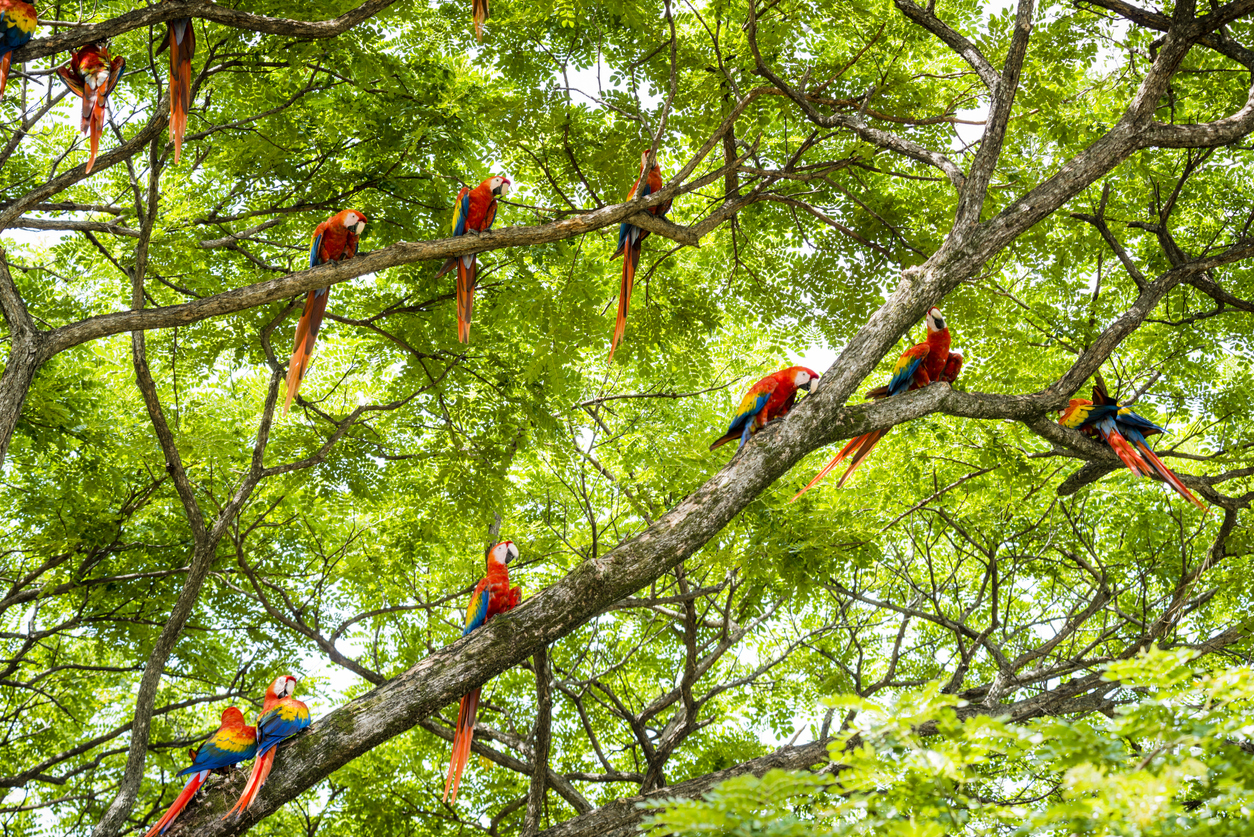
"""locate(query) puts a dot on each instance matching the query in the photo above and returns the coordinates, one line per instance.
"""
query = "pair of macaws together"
(282, 716)
(928, 362)
(475, 211)
(92, 72)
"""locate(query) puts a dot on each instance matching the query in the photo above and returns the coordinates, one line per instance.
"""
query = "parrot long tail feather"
(479, 10)
(465, 297)
(864, 450)
(180, 82)
(302, 349)
(1169, 476)
(257, 778)
(95, 127)
(180, 802)
(631, 260)
(1126, 452)
(827, 469)
(462, 738)
(447, 266)
(4, 70)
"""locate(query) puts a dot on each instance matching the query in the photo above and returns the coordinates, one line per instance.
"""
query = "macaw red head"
(935, 320)
(282, 687)
(499, 185)
(502, 553)
(232, 717)
(355, 221)
(804, 378)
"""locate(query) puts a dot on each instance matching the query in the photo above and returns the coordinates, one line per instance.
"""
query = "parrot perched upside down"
(334, 240)
(474, 213)
(234, 742)
(180, 37)
(17, 26)
(282, 716)
(1124, 431)
(492, 595)
(91, 74)
(920, 365)
(768, 399)
(630, 239)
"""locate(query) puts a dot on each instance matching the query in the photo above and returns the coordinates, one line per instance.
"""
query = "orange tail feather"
(95, 127)
(4, 71)
(462, 738)
(257, 778)
(1169, 476)
(180, 802)
(631, 260)
(180, 82)
(465, 297)
(479, 11)
(827, 469)
(306, 336)
(864, 450)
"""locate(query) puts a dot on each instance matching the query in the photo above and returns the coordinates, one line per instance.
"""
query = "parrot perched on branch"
(334, 240)
(474, 212)
(180, 37)
(768, 399)
(234, 742)
(920, 365)
(1124, 431)
(492, 595)
(630, 239)
(91, 74)
(17, 26)
(282, 716)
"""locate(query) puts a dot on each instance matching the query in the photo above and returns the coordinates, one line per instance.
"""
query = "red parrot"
(180, 37)
(492, 595)
(17, 26)
(282, 716)
(334, 240)
(91, 74)
(1124, 431)
(922, 364)
(474, 213)
(768, 399)
(630, 238)
(234, 742)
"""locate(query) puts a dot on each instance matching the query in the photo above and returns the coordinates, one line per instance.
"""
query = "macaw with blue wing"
(768, 399)
(630, 240)
(474, 212)
(920, 365)
(233, 742)
(334, 240)
(492, 595)
(1124, 431)
(18, 22)
(282, 716)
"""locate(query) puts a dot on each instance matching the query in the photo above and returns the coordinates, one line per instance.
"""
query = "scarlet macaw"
(630, 238)
(234, 742)
(334, 240)
(91, 74)
(768, 399)
(1106, 419)
(492, 595)
(922, 364)
(474, 213)
(17, 26)
(282, 716)
(180, 37)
